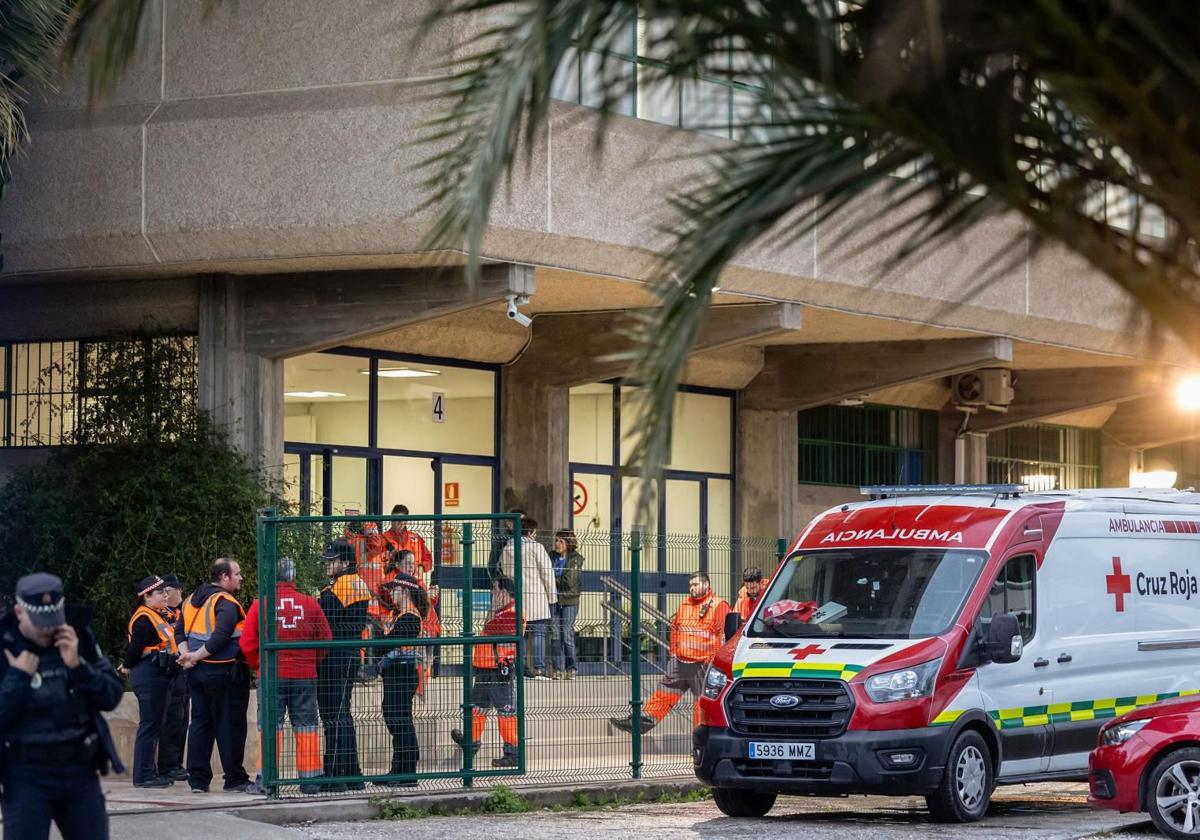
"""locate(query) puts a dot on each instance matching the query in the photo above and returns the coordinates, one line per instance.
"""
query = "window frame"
(1033, 610)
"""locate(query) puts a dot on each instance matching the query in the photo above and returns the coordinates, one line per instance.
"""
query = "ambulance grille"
(823, 710)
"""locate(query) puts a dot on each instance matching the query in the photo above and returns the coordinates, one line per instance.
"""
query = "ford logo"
(785, 701)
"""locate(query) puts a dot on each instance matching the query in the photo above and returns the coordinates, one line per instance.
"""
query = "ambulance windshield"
(891, 593)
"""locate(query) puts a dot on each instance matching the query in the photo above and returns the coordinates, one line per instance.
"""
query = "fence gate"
(390, 711)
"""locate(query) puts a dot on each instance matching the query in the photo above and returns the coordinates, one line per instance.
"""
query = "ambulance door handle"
(1064, 657)
(1040, 663)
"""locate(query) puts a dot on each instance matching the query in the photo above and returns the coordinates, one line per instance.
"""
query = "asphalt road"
(1015, 817)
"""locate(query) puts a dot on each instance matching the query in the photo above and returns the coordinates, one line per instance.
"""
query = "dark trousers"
(68, 794)
(335, 683)
(399, 688)
(220, 694)
(152, 686)
(175, 723)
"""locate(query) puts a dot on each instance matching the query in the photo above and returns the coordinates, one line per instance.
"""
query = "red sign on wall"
(450, 494)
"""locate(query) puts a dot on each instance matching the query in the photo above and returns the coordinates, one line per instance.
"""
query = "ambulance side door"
(1014, 693)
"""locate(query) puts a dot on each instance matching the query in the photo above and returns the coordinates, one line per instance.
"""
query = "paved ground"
(1022, 818)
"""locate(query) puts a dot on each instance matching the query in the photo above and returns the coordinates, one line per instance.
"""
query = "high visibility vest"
(490, 656)
(199, 623)
(166, 634)
(698, 628)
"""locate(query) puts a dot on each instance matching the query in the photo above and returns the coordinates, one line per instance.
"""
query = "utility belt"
(163, 659)
(83, 750)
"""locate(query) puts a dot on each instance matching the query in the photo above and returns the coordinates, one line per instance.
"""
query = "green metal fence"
(631, 584)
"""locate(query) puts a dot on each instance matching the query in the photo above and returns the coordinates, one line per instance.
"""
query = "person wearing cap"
(344, 601)
(219, 681)
(298, 618)
(175, 721)
(406, 604)
(54, 685)
(150, 661)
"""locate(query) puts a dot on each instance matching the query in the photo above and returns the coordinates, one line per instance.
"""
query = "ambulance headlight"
(905, 684)
(714, 681)
(1122, 732)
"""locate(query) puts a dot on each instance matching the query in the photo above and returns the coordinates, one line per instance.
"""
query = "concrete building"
(250, 182)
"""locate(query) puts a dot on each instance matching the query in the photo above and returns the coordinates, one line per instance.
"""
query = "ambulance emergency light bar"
(886, 491)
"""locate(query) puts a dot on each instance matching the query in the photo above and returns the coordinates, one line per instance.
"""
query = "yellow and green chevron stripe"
(1080, 710)
(796, 670)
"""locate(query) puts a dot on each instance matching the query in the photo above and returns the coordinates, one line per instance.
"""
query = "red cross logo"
(805, 652)
(1118, 584)
(288, 613)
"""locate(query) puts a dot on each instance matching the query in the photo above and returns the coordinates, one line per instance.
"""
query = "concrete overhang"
(805, 376)
(1150, 422)
(1044, 394)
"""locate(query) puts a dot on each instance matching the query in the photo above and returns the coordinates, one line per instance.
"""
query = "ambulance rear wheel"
(734, 802)
(967, 784)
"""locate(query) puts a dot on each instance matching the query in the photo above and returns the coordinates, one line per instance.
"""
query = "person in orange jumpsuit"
(697, 632)
(752, 589)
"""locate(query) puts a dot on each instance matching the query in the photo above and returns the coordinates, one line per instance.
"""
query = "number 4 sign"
(439, 407)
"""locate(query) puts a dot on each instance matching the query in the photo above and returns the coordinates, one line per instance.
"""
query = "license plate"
(784, 750)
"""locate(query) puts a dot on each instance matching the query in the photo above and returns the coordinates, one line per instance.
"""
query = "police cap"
(41, 596)
(340, 550)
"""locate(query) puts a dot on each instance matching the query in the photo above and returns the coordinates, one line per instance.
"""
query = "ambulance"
(938, 641)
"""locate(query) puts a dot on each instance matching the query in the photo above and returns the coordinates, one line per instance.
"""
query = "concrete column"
(1117, 462)
(766, 473)
(535, 420)
(970, 463)
(241, 391)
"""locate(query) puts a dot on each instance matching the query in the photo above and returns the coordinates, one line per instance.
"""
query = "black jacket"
(95, 679)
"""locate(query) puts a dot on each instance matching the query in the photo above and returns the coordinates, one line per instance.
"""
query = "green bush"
(146, 488)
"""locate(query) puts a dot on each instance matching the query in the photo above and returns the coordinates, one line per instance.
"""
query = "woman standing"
(407, 606)
(150, 663)
(568, 564)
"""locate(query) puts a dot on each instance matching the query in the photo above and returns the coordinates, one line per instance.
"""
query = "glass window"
(436, 408)
(325, 399)
(1013, 592)
(291, 482)
(44, 393)
(882, 593)
(700, 437)
(591, 424)
(349, 484)
(719, 507)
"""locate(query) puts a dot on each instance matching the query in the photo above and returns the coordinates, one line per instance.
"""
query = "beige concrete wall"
(814, 499)
(205, 160)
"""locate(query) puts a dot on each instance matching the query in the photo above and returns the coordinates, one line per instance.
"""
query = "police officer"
(344, 601)
(175, 722)
(54, 684)
(219, 681)
(150, 662)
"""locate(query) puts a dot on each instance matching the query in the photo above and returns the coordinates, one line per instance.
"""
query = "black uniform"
(344, 603)
(175, 721)
(399, 669)
(55, 738)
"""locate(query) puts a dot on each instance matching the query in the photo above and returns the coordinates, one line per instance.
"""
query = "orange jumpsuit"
(697, 633)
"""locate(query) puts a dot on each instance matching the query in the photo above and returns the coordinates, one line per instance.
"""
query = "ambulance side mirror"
(1003, 642)
(732, 622)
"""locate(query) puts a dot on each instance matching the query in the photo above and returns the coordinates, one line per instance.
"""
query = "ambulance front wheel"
(734, 802)
(966, 786)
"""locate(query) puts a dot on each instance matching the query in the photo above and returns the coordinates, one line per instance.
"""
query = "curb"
(300, 812)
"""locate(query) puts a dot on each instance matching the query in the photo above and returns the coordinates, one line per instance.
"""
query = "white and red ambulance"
(938, 641)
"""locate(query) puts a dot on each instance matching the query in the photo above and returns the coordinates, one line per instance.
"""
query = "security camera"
(515, 314)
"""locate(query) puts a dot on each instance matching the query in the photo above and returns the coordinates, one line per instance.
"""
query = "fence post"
(267, 711)
(635, 653)
(519, 665)
(468, 608)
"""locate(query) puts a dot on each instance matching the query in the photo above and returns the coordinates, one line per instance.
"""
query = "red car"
(1149, 760)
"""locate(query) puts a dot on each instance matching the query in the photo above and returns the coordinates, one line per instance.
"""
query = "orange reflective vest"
(199, 623)
(698, 629)
(166, 634)
(503, 623)
(745, 604)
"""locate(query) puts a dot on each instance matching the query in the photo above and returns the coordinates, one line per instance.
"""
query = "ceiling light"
(402, 372)
(1154, 480)
(313, 395)
(1187, 393)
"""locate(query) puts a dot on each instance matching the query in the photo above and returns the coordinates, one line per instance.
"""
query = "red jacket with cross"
(298, 618)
